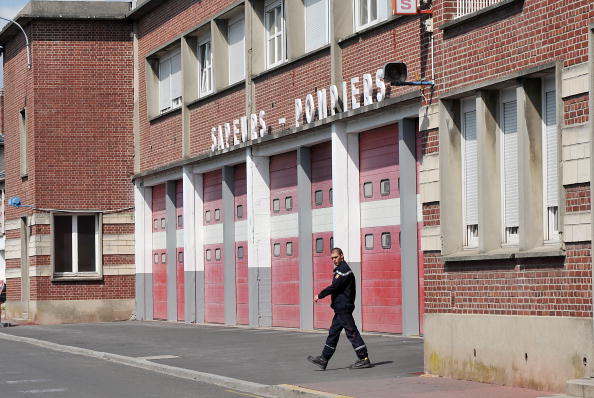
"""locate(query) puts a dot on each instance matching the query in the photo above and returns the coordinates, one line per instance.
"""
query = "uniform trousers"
(344, 321)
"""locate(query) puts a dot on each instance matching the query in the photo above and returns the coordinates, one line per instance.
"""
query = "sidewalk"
(264, 357)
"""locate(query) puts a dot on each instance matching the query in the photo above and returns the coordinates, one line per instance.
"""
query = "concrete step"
(582, 388)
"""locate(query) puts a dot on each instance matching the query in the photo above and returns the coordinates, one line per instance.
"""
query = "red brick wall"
(541, 287)
(13, 289)
(577, 198)
(161, 140)
(211, 113)
(511, 39)
(276, 91)
(111, 287)
(429, 141)
(431, 214)
(576, 109)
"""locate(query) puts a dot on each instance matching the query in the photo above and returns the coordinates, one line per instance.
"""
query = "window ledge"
(214, 94)
(74, 278)
(553, 250)
(477, 14)
(165, 114)
(290, 62)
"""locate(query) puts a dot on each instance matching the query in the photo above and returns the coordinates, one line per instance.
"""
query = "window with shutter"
(176, 81)
(470, 172)
(164, 84)
(170, 84)
(205, 66)
(316, 24)
(511, 199)
(550, 161)
(236, 50)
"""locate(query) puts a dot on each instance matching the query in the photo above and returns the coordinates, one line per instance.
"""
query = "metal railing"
(465, 7)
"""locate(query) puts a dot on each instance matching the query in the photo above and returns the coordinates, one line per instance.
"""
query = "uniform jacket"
(342, 289)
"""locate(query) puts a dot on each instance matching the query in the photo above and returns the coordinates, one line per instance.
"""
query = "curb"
(268, 391)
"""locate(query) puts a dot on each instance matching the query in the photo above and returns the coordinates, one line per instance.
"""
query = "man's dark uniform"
(343, 291)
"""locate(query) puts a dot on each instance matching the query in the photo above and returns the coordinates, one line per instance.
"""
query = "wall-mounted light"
(396, 74)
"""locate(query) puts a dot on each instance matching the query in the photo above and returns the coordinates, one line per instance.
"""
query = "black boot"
(361, 364)
(320, 361)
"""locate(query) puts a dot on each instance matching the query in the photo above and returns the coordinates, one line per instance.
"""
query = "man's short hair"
(337, 250)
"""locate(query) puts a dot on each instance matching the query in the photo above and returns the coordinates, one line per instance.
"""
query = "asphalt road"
(30, 371)
(262, 356)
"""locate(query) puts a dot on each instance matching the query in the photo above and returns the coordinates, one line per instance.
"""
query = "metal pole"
(26, 40)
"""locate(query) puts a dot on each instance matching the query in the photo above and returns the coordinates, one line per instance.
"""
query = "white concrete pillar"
(143, 251)
(192, 223)
(346, 209)
(259, 262)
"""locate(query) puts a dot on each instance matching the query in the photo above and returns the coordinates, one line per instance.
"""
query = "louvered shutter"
(164, 84)
(552, 160)
(510, 164)
(236, 51)
(316, 24)
(176, 80)
(470, 169)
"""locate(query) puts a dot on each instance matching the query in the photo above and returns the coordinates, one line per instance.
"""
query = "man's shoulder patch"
(336, 276)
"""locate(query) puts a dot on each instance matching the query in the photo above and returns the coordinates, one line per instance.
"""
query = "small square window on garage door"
(319, 197)
(217, 254)
(386, 240)
(368, 189)
(240, 252)
(276, 250)
(208, 255)
(276, 205)
(385, 187)
(369, 241)
(289, 249)
(239, 211)
(319, 245)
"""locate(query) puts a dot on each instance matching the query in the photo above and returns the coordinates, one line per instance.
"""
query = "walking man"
(343, 291)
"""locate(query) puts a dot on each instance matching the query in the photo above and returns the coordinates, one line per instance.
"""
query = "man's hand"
(316, 298)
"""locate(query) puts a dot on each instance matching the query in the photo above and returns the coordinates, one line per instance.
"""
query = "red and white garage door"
(179, 223)
(159, 253)
(381, 280)
(214, 291)
(285, 262)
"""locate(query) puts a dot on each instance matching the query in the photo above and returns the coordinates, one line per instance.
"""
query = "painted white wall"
(258, 195)
(379, 213)
(321, 220)
(284, 226)
(213, 234)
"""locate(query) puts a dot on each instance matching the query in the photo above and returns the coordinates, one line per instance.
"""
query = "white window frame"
(202, 91)
(471, 231)
(326, 31)
(550, 214)
(280, 35)
(381, 13)
(234, 21)
(510, 235)
(98, 272)
(176, 102)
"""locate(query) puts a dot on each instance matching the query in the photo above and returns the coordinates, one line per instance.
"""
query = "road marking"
(155, 357)
(246, 394)
(26, 381)
(308, 390)
(44, 391)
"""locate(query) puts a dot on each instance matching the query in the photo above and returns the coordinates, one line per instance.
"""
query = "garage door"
(159, 253)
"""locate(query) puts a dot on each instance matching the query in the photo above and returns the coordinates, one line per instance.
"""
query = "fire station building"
(259, 134)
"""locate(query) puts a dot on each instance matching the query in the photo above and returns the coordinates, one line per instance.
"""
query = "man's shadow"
(373, 364)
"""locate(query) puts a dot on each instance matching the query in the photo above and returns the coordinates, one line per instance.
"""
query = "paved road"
(30, 371)
(261, 356)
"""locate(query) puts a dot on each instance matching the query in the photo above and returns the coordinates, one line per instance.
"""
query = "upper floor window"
(316, 24)
(464, 7)
(369, 12)
(550, 161)
(205, 65)
(469, 173)
(236, 37)
(170, 88)
(510, 173)
(275, 33)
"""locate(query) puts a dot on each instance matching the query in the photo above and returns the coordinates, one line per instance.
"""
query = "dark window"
(384, 187)
(180, 257)
(63, 244)
(319, 245)
(276, 205)
(180, 221)
(163, 258)
(368, 189)
(156, 258)
(276, 250)
(217, 214)
(156, 224)
(319, 197)
(386, 240)
(331, 243)
(330, 197)
(289, 203)
(75, 233)
(162, 223)
(240, 252)
(86, 244)
(369, 241)
(239, 211)
(289, 249)
(217, 254)
(207, 216)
